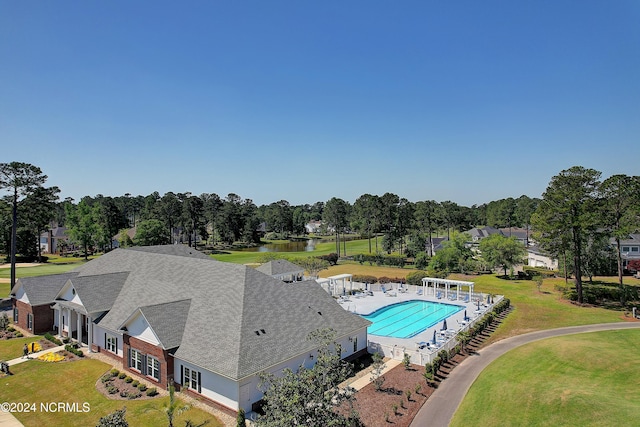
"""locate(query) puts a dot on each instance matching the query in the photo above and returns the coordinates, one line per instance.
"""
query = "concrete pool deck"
(395, 347)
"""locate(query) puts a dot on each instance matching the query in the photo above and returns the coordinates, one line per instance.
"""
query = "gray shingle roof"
(229, 303)
(43, 289)
(280, 267)
(167, 321)
(98, 292)
(179, 250)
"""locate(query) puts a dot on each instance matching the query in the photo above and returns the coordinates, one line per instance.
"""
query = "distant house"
(172, 314)
(115, 240)
(318, 227)
(629, 249)
(282, 269)
(54, 240)
(522, 235)
(536, 257)
(478, 234)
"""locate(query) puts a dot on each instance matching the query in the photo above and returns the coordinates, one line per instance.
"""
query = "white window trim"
(30, 321)
(111, 341)
(136, 360)
(153, 368)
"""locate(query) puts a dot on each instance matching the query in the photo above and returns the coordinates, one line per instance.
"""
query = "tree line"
(574, 219)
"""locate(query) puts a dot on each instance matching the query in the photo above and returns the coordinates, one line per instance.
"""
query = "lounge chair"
(419, 292)
(383, 289)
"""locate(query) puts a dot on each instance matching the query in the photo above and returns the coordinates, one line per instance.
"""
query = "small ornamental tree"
(376, 373)
(114, 419)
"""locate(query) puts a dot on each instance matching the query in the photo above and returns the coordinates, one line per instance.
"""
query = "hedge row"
(593, 294)
(379, 259)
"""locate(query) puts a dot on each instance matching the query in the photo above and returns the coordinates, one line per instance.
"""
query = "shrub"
(53, 339)
(114, 372)
(128, 379)
(4, 322)
(72, 349)
(415, 277)
(363, 278)
(11, 329)
(19, 334)
(122, 375)
(142, 387)
(135, 383)
(133, 395)
(106, 378)
(406, 361)
(112, 389)
(332, 258)
(152, 391)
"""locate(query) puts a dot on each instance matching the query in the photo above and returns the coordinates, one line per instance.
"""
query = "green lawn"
(578, 380)
(39, 270)
(10, 349)
(353, 247)
(74, 382)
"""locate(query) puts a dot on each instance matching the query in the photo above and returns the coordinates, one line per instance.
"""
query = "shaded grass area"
(584, 379)
(10, 349)
(74, 382)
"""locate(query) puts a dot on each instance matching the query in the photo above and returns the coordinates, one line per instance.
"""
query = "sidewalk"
(32, 356)
(365, 379)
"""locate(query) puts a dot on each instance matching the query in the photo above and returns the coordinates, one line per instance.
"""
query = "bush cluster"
(71, 349)
(379, 259)
(53, 339)
(415, 277)
(332, 258)
(363, 278)
(152, 391)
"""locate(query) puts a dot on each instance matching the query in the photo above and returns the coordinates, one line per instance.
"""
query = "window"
(153, 367)
(634, 249)
(111, 343)
(190, 379)
(29, 321)
(625, 249)
(15, 315)
(136, 360)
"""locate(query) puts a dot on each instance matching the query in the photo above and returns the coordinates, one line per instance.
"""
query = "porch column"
(89, 333)
(60, 321)
(79, 326)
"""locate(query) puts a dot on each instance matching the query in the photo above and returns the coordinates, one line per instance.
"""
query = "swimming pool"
(409, 318)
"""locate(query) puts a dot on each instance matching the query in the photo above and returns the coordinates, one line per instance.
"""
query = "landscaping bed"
(118, 385)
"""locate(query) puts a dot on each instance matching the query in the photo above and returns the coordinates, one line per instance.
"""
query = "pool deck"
(370, 303)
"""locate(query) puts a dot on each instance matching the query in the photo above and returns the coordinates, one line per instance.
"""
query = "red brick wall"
(42, 316)
(166, 360)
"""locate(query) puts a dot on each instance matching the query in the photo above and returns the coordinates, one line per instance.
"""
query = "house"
(54, 240)
(522, 235)
(318, 227)
(478, 234)
(283, 270)
(536, 257)
(172, 314)
(629, 249)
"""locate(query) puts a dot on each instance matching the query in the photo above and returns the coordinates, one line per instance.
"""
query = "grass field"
(74, 382)
(577, 380)
(11, 349)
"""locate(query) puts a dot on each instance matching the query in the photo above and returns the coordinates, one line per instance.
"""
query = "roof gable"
(42, 289)
(280, 267)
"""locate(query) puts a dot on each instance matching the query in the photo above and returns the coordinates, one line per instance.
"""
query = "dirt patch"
(116, 388)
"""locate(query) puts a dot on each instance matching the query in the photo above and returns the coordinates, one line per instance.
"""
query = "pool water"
(409, 318)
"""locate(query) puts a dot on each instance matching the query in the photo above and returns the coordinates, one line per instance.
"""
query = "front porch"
(72, 321)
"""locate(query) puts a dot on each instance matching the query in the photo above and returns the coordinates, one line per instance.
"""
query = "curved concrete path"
(438, 410)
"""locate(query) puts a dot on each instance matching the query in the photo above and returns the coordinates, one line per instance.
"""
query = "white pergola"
(447, 284)
(333, 283)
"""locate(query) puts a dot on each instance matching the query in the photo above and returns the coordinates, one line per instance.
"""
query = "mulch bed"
(376, 407)
(126, 391)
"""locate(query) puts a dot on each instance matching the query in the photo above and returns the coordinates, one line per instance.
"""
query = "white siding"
(139, 328)
(68, 293)
(217, 388)
(98, 338)
(21, 295)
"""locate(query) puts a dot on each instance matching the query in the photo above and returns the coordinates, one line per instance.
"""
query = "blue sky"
(466, 101)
